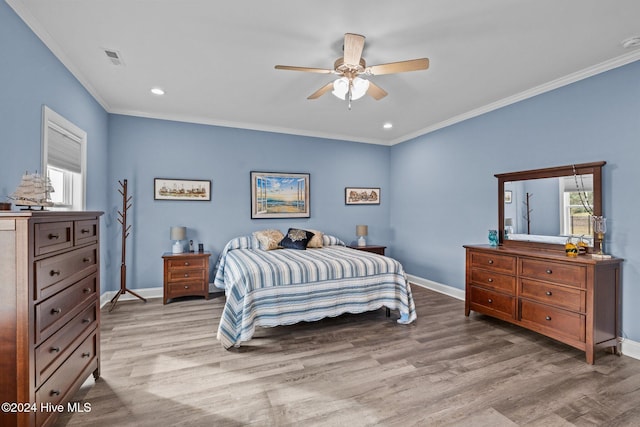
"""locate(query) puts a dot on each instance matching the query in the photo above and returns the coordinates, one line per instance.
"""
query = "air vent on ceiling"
(114, 56)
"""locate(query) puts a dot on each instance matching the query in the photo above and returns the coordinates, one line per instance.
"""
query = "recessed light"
(157, 91)
(387, 125)
(631, 42)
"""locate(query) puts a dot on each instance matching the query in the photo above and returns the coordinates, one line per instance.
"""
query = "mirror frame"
(553, 172)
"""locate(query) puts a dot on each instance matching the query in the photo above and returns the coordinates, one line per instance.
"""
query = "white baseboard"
(438, 287)
(629, 348)
(106, 297)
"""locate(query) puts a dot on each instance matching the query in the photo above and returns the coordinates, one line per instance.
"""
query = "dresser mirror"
(545, 207)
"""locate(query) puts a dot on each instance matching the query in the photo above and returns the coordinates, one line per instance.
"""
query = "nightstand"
(186, 274)
(370, 248)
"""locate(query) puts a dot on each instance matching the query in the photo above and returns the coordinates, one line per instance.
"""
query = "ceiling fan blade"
(353, 45)
(376, 91)
(307, 69)
(324, 89)
(399, 67)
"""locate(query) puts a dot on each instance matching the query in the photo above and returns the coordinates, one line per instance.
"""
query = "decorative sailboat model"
(34, 191)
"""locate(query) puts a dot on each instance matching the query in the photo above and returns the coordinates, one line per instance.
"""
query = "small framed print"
(507, 196)
(362, 196)
(181, 189)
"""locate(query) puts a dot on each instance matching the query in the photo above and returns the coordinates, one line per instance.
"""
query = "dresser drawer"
(52, 236)
(559, 296)
(495, 262)
(56, 388)
(51, 353)
(182, 275)
(85, 231)
(493, 280)
(54, 312)
(567, 323)
(494, 303)
(565, 273)
(186, 288)
(55, 273)
(188, 263)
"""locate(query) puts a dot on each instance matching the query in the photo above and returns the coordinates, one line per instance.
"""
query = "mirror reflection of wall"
(556, 206)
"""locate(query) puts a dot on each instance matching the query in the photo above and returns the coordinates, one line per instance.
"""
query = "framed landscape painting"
(361, 196)
(279, 195)
(181, 189)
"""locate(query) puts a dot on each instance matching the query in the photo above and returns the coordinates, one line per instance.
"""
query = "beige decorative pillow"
(316, 240)
(269, 239)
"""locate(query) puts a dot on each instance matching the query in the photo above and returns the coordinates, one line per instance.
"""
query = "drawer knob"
(547, 318)
(85, 231)
(490, 300)
(86, 320)
(54, 350)
(549, 293)
(86, 290)
(186, 274)
(490, 261)
(56, 311)
(187, 263)
(54, 393)
(86, 259)
(549, 271)
(186, 286)
(52, 236)
(490, 280)
(54, 273)
(86, 355)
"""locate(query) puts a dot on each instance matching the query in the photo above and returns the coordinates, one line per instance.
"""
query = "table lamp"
(361, 232)
(178, 234)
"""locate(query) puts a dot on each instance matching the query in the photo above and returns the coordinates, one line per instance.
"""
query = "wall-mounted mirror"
(544, 207)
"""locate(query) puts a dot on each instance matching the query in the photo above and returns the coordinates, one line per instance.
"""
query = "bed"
(287, 286)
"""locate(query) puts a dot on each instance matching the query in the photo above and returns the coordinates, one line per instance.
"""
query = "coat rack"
(125, 233)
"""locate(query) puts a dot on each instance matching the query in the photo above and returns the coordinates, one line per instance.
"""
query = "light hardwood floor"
(162, 366)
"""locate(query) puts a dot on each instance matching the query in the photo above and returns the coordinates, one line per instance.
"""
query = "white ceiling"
(215, 59)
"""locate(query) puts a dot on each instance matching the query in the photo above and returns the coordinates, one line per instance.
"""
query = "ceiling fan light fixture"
(358, 90)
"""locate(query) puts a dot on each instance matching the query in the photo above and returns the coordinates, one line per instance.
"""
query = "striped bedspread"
(286, 286)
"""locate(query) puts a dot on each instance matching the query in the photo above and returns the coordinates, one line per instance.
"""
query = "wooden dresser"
(49, 311)
(186, 274)
(573, 300)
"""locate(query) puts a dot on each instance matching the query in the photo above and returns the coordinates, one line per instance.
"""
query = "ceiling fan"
(350, 86)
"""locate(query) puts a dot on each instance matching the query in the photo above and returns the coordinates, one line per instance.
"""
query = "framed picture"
(361, 196)
(507, 196)
(279, 195)
(181, 189)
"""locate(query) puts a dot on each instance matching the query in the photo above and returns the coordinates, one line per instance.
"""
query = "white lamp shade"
(178, 233)
(358, 89)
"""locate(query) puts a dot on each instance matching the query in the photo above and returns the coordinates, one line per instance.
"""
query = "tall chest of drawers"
(573, 300)
(49, 311)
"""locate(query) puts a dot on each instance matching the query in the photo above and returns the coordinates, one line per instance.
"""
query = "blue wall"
(143, 149)
(438, 190)
(30, 77)
(443, 189)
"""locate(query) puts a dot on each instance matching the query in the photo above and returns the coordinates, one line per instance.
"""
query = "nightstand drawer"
(182, 275)
(185, 288)
(189, 263)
